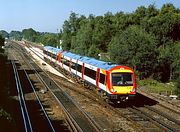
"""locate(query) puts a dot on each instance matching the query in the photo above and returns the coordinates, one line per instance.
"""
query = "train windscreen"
(122, 79)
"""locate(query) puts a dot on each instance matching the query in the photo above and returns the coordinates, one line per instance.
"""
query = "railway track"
(152, 119)
(22, 86)
(161, 100)
(78, 119)
(22, 102)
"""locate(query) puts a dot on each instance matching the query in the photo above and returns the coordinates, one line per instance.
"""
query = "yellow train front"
(115, 82)
(121, 84)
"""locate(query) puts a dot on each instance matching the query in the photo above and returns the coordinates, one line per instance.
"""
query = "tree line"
(146, 40)
(33, 36)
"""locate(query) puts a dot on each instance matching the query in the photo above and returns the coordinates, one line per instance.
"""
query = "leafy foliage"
(17, 35)
(134, 47)
(4, 34)
(176, 64)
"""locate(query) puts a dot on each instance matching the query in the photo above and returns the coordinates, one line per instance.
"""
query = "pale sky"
(49, 15)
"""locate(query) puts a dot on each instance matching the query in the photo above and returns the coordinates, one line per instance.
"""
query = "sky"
(49, 15)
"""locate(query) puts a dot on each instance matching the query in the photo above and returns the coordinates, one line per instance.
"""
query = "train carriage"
(117, 82)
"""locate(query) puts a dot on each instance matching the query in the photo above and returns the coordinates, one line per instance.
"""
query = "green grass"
(157, 87)
(5, 115)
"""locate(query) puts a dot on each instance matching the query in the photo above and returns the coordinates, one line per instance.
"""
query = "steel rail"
(161, 123)
(162, 114)
(24, 110)
(45, 113)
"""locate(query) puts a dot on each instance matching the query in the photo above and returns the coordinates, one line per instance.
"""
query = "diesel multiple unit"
(116, 82)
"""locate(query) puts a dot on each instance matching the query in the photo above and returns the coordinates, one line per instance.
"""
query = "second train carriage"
(117, 82)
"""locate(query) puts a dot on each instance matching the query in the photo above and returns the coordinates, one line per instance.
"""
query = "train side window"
(66, 62)
(54, 56)
(73, 66)
(61, 60)
(79, 68)
(44, 51)
(102, 78)
(49, 54)
(90, 73)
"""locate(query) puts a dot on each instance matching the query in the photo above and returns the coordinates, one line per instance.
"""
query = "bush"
(154, 86)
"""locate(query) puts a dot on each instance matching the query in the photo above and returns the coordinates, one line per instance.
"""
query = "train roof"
(52, 49)
(94, 62)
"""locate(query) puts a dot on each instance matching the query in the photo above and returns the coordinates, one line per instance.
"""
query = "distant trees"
(17, 35)
(1, 41)
(29, 34)
(48, 39)
(2, 56)
(34, 36)
(4, 34)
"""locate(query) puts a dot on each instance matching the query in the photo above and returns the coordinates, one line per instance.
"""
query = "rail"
(22, 99)
(77, 118)
(24, 111)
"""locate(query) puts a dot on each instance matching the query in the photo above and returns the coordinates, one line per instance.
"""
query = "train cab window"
(122, 79)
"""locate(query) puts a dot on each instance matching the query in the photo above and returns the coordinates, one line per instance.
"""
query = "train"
(117, 83)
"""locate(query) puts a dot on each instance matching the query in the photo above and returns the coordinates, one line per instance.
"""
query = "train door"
(82, 71)
(108, 81)
(59, 57)
(56, 58)
(76, 65)
(97, 77)
(70, 64)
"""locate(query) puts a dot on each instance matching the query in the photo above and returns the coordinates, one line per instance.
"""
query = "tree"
(49, 39)
(1, 50)
(83, 38)
(176, 63)
(165, 24)
(1, 41)
(17, 35)
(93, 51)
(134, 47)
(164, 61)
(4, 34)
(29, 34)
(66, 36)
